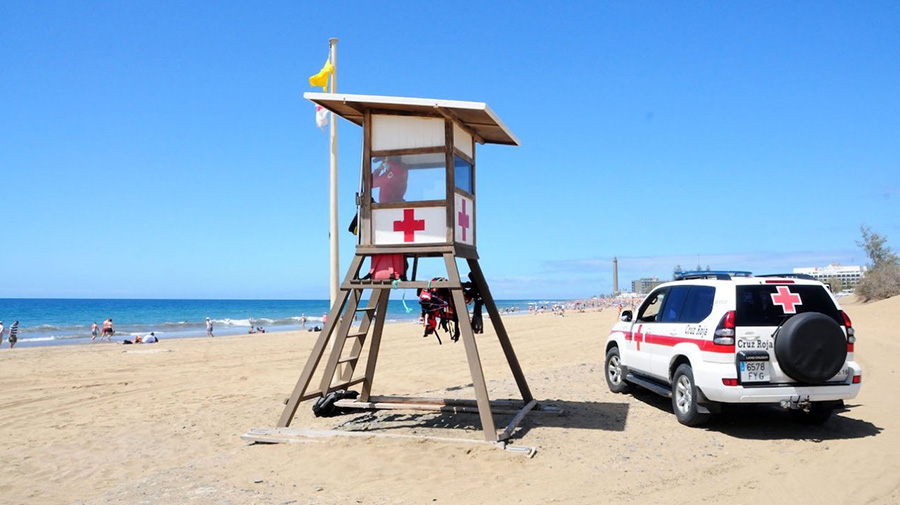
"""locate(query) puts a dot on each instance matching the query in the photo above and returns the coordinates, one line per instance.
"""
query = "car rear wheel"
(684, 398)
(615, 372)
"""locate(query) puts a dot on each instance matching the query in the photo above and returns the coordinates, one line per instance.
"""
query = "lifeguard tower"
(417, 199)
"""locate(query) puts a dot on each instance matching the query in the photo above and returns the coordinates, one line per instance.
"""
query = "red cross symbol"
(463, 219)
(786, 299)
(409, 225)
(638, 337)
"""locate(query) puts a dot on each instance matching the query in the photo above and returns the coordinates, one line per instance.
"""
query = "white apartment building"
(848, 275)
(645, 285)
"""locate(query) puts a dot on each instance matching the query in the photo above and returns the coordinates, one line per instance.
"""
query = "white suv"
(730, 337)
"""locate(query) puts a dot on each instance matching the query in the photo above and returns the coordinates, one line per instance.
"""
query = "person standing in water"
(107, 330)
(95, 330)
(13, 334)
(209, 328)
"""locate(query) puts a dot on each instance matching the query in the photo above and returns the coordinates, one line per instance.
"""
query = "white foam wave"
(232, 322)
(40, 339)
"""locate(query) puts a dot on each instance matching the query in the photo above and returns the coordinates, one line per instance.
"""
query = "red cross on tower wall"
(409, 225)
(463, 219)
(786, 299)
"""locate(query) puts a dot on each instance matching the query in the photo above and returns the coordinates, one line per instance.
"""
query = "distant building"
(645, 285)
(848, 275)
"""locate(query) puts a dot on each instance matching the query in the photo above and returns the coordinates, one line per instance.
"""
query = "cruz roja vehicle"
(710, 338)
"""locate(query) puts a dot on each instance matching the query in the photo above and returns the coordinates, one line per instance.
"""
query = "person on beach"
(149, 339)
(303, 320)
(95, 330)
(209, 328)
(13, 334)
(1, 333)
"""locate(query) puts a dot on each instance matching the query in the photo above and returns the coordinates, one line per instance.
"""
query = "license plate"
(754, 371)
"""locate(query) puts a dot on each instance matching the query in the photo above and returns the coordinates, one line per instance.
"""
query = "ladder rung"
(357, 334)
(348, 359)
(365, 309)
(345, 385)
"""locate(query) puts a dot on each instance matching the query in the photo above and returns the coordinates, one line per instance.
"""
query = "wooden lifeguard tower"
(428, 147)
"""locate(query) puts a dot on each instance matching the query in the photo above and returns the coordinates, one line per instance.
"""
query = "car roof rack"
(791, 276)
(722, 275)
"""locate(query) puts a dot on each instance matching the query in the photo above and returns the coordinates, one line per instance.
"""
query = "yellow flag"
(321, 79)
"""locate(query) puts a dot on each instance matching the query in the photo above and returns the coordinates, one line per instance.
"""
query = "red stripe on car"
(704, 345)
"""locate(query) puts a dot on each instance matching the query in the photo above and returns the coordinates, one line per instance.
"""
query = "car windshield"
(769, 304)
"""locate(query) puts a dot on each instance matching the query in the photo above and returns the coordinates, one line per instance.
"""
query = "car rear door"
(762, 308)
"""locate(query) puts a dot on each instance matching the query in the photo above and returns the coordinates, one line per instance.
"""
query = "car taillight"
(730, 382)
(724, 334)
(851, 333)
(857, 379)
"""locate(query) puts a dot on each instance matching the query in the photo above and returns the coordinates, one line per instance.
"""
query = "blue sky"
(164, 150)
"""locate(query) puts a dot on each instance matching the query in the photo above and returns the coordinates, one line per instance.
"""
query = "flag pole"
(333, 229)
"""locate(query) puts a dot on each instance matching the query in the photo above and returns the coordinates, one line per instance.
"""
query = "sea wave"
(179, 323)
(48, 328)
(232, 322)
(41, 339)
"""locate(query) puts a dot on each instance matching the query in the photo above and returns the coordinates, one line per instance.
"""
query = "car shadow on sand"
(771, 422)
(576, 415)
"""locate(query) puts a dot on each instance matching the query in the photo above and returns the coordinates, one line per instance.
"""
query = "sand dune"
(115, 424)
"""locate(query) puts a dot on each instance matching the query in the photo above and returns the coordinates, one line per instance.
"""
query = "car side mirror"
(626, 316)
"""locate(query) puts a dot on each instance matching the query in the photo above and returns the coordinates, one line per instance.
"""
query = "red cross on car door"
(638, 352)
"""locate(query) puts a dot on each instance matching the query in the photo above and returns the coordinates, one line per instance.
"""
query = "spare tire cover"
(811, 347)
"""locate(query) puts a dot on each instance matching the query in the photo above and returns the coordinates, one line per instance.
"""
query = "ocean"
(68, 321)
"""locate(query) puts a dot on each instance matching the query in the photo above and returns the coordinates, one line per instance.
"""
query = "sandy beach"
(161, 423)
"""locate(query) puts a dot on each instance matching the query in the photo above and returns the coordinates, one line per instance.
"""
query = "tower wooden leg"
(481, 283)
(465, 325)
(315, 356)
(375, 345)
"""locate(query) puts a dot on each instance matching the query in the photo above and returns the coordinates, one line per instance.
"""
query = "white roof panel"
(476, 116)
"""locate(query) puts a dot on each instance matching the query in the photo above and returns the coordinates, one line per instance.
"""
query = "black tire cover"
(811, 347)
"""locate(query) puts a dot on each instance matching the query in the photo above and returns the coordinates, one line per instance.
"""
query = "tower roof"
(476, 116)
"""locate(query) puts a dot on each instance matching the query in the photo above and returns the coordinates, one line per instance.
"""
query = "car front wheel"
(684, 398)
